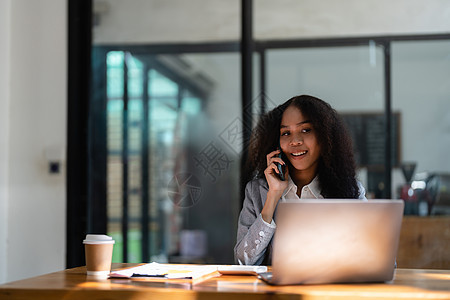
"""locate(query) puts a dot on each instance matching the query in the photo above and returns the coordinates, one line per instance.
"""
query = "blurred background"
(127, 118)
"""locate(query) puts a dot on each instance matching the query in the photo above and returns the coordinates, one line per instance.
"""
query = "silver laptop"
(335, 241)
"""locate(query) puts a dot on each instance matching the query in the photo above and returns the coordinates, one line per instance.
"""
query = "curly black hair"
(336, 168)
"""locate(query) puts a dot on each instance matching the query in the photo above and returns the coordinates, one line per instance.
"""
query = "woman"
(307, 137)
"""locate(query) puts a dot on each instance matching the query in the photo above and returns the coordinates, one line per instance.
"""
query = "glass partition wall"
(172, 153)
(166, 131)
(421, 91)
(146, 131)
(351, 79)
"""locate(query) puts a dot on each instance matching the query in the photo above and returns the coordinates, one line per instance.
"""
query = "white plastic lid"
(98, 239)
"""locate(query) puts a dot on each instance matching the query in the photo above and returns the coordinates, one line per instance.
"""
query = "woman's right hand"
(276, 185)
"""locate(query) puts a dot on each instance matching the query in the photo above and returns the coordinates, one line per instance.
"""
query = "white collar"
(313, 187)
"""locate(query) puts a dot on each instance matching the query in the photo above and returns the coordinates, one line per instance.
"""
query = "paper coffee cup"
(98, 250)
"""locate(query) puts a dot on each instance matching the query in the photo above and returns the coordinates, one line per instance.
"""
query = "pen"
(149, 275)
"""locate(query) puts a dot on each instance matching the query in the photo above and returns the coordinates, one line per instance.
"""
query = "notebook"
(335, 241)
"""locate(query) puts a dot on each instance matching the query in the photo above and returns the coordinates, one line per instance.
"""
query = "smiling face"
(299, 143)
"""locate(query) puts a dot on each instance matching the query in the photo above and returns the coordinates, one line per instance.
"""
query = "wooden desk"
(74, 284)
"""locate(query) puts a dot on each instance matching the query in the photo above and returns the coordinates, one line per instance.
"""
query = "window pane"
(351, 80)
(167, 124)
(191, 104)
(117, 154)
(177, 149)
(161, 86)
(135, 84)
(114, 75)
(421, 73)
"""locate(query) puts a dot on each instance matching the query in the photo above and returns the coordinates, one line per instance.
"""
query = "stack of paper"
(155, 271)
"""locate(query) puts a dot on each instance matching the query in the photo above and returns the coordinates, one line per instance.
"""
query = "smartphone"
(280, 166)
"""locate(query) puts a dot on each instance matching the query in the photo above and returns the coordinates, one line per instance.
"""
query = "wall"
(4, 131)
(159, 21)
(36, 202)
(167, 21)
(309, 18)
